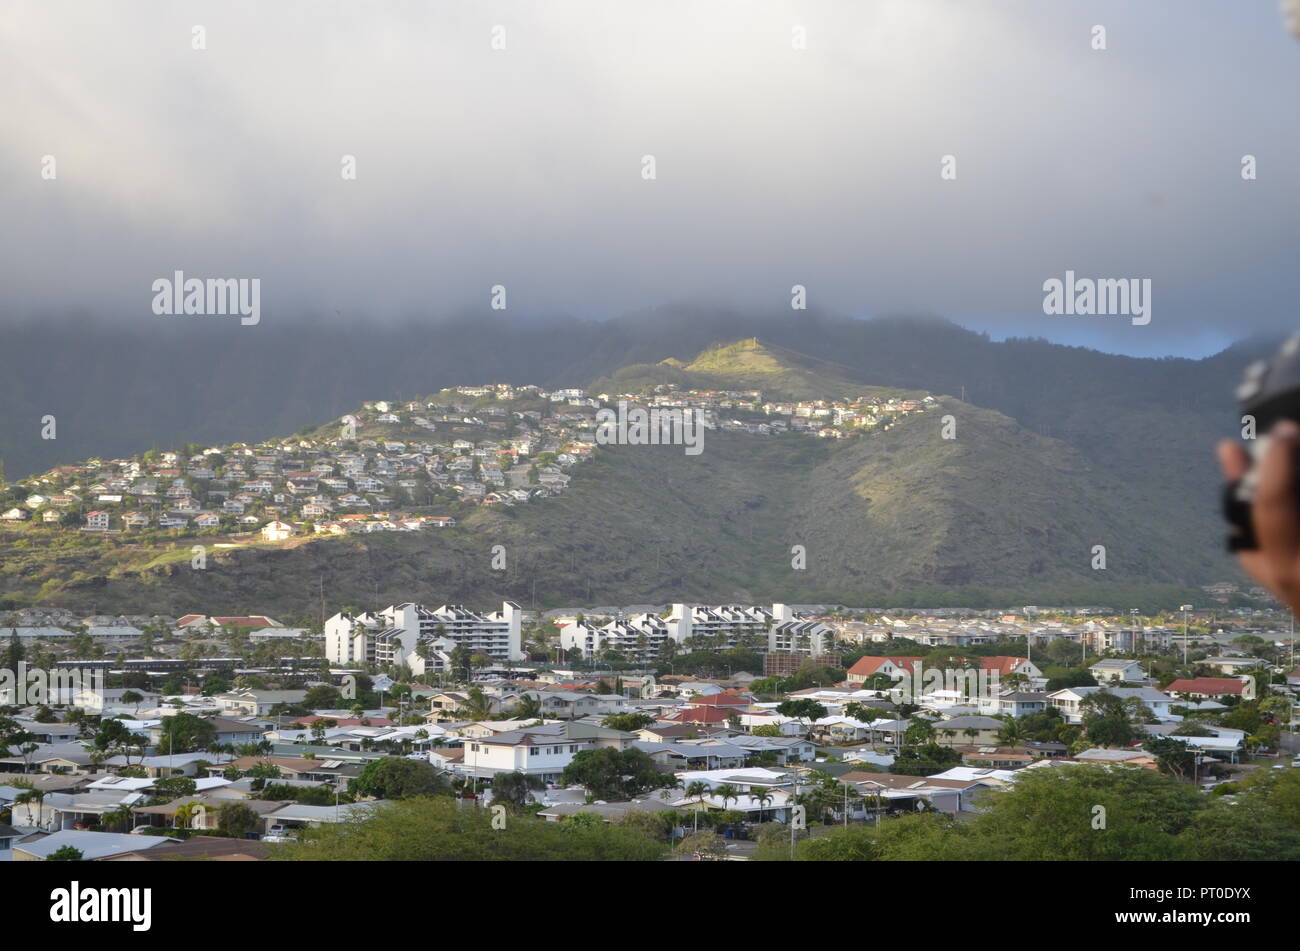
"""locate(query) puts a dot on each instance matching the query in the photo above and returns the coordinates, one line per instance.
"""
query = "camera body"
(1270, 392)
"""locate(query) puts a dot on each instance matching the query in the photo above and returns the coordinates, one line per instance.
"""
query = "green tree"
(396, 778)
(919, 732)
(439, 829)
(323, 697)
(512, 789)
(707, 845)
(236, 819)
(1173, 758)
(1105, 719)
(628, 722)
(805, 711)
(615, 775)
(174, 787)
(185, 733)
(1086, 813)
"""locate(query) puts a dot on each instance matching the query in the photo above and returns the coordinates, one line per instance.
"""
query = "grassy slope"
(749, 364)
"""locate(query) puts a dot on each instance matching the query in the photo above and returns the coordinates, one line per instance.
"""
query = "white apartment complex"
(421, 638)
(642, 636)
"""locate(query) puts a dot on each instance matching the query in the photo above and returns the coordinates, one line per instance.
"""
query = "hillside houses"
(400, 468)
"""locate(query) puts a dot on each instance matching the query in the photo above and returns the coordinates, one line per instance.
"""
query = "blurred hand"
(1275, 512)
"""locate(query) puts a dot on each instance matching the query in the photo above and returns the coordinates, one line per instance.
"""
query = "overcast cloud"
(775, 166)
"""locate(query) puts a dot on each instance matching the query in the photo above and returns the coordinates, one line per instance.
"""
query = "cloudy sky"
(774, 165)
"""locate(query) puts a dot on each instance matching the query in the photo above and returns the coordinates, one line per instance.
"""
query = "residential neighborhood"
(396, 466)
(720, 732)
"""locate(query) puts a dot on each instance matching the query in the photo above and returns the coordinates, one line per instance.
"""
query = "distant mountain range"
(1057, 450)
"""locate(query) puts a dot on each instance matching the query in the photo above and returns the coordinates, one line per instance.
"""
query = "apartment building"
(423, 638)
(642, 636)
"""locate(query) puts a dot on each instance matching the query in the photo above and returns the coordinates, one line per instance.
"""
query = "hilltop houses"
(399, 466)
(278, 531)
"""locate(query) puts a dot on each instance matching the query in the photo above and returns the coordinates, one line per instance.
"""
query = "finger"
(1274, 511)
(1232, 459)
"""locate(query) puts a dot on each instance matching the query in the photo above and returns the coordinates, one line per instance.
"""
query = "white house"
(1068, 701)
(1117, 670)
(277, 531)
(542, 752)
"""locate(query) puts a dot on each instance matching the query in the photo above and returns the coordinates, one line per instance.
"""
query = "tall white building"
(725, 624)
(394, 635)
(642, 636)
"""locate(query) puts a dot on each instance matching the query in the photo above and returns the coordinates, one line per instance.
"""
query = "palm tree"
(478, 706)
(185, 814)
(764, 796)
(697, 791)
(28, 795)
(529, 707)
(121, 816)
(727, 792)
(1009, 733)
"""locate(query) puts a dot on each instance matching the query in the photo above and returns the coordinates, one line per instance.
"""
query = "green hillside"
(997, 515)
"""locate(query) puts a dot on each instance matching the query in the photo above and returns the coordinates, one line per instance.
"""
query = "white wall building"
(1070, 700)
(642, 636)
(393, 635)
